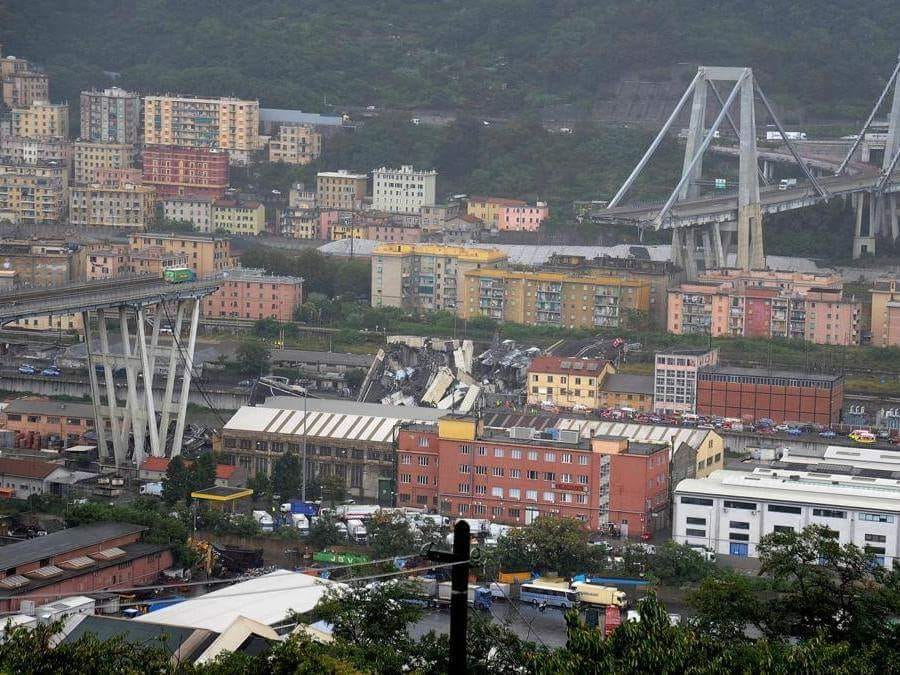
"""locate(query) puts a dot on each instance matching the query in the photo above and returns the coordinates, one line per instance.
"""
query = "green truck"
(179, 275)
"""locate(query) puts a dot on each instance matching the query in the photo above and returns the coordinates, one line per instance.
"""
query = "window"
(880, 538)
(582, 479)
(514, 493)
(423, 441)
(738, 536)
(782, 528)
(463, 509)
(876, 517)
(498, 452)
(550, 457)
(695, 533)
(566, 458)
(531, 495)
(583, 460)
(480, 490)
(549, 475)
(405, 478)
(481, 470)
(463, 488)
(515, 454)
(549, 497)
(515, 473)
(464, 468)
(514, 513)
(497, 492)
(696, 521)
(747, 506)
(829, 513)
(423, 461)
(565, 478)
(781, 508)
(699, 501)
(422, 480)
(739, 525)
(482, 451)
(497, 471)
(464, 449)
(532, 455)
(531, 475)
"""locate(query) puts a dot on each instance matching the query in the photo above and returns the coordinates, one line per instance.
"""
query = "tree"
(324, 532)
(253, 357)
(203, 472)
(726, 604)
(332, 490)
(549, 544)
(390, 535)
(178, 481)
(287, 476)
(674, 563)
(260, 484)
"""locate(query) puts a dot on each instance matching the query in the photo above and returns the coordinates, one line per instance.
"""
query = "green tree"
(674, 563)
(178, 481)
(203, 472)
(260, 484)
(549, 544)
(287, 476)
(324, 532)
(253, 357)
(390, 535)
(332, 490)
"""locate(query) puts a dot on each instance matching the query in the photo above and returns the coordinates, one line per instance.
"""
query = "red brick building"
(176, 171)
(461, 469)
(78, 560)
(778, 395)
(251, 294)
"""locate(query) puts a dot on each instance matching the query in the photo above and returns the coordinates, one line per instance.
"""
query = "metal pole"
(459, 596)
(703, 146)
(656, 141)
(860, 137)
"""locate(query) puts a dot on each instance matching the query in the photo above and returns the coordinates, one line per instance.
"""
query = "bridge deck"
(92, 295)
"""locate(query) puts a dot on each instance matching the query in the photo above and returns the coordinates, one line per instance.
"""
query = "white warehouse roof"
(268, 599)
(642, 433)
(801, 487)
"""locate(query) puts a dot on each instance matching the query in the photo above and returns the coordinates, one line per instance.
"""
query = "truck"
(154, 489)
(601, 596)
(479, 597)
(300, 522)
(786, 183)
(264, 520)
(308, 509)
(790, 135)
(356, 531)
(179, 275)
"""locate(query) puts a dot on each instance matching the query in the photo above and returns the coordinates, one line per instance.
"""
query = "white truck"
(356, 531)
(264, 520)
(154, 489)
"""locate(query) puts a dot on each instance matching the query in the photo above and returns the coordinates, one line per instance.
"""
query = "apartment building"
(295, 144)
(300, 223)
(126, 205)
(195, 210)
(32, 194)
(781, 396)
(42, 263)
(885, 313)
(675, 378)
(848, 491)
(534, 297)
(41, 119)
(222, 123)
(205, 254)
(111, 116)
(151, 261)
(487, 209)
(90, 157)
(35, 151)
(566, 382)
(425, 276)
(762, 303)
(340, 189)
(178, 171)
(626, 391)
(403, 190)
(522, 218)
(107, 263)
(234, 217)
(21, 84)
(463, 468)
(433, 217)
(252, 294)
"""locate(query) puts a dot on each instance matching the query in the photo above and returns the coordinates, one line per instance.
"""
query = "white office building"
(852, 491)
(403, 190)
(675, 378)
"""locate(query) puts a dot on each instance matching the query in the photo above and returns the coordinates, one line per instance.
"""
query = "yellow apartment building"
(204, 254)
(567, 382)
(89, 158)
(41, 120)
(295, 144)
(534, 297)
(340, 189)
(239, 217)
(32, 194)
(426, 276)
(127, 205)
(487, 209)
(886, 313)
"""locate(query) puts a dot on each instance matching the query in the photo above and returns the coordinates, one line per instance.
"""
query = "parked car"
(26, 369)
(828, 433)
(51, 371)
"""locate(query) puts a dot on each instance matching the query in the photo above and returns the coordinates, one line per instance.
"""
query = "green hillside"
(500, 56)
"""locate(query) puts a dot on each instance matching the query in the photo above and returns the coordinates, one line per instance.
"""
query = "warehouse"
(352, 442)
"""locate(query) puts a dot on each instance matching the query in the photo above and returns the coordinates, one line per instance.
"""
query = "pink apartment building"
(522, 218)
(250, 294)
(733, 303)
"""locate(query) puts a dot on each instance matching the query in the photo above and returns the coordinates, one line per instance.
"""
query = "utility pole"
(459, 593)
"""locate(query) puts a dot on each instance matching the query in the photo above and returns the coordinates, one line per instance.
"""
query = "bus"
(554, 595)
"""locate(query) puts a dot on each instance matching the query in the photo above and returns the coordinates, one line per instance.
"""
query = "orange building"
(204, 254)
(69, 421)
(251, 294)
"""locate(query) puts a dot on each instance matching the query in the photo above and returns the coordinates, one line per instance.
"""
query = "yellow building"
(567, 382)
(32, 194)
(295, 144)
(205, 255)
(627, 391)
(340, 189)
(238, 217)
(46, 322)
(225, 123)
(348, 230)
(89, 157)
(426, 276)
(126, 205)
(487, 209)
(41, 120)
(552, 298)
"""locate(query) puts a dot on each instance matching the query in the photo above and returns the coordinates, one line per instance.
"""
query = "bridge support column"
(864, 229)
(188, 357)
(99, 419)
(749, 224)
(684, 252)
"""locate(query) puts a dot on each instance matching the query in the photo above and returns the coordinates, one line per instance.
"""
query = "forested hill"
(829, 57)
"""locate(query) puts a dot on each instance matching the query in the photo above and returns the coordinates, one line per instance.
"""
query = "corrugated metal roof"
(638, 432)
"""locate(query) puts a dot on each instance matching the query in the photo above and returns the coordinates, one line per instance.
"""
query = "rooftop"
(298, 117)
(26, 468)
(235, 204)
(222, 493)
(35, 406)
(342, 173)
(499, 201)
(254, 274)
(459, 252)
(59, 543)
(629, 384)
(761, 372)
(322, 358)
(538, 275)
(567, 365)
